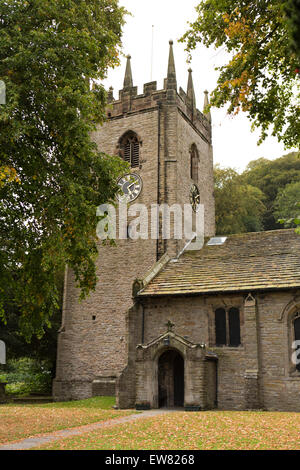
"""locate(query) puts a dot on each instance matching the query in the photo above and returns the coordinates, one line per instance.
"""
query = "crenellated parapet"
(129, 101)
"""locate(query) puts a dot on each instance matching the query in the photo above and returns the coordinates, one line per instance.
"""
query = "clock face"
(131, 187)
(195, 197)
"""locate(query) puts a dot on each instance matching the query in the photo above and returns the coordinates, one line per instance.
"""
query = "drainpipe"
(143, 323)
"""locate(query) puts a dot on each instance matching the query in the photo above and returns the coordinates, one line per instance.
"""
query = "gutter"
(219, 292)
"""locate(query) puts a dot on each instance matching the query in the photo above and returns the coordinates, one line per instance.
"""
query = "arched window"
(130, 149)
(227, 327)
(297, 338)
(194, 164)
(292, 314)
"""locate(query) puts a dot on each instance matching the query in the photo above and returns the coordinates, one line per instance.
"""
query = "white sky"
(234, 143)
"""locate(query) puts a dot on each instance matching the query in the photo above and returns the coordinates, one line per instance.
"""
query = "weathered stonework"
(152, 314)
(92, 342)
(255, 375)
(252, 400)
(197, 395)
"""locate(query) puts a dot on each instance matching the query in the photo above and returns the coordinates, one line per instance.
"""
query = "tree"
(292, 9)
(262, 78)
(52, 176)
(268, 190)
(271, 177)
(239, 206)
(286, 204)
(39, 348)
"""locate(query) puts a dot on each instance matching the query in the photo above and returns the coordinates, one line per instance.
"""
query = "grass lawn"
(212, 430)
(21, 421)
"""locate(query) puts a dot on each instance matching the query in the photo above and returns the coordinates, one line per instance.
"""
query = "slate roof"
(245, 262)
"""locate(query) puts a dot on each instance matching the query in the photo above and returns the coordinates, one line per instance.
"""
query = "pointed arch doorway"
(170, 379)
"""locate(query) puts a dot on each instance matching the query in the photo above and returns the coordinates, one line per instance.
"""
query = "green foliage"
(293, 222)
(26, 376)
(292, 10)
(287, 203)
(268, 190)
(103, 403)
(54, 175)
(239, 206)
(262, 76)
(271, 177)
(38, 349)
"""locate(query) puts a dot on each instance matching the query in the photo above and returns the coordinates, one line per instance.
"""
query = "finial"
(206, 104)
(171, 78)
(190, 91)
(110, 95)
(169, 325)
(128, 83)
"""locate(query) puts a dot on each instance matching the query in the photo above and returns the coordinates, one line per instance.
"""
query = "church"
(216, 327)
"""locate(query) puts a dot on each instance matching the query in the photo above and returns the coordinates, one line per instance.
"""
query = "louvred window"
(130, 149)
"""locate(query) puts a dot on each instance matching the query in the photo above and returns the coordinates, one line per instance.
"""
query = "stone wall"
(256, 375)
(279, 381)
(104, 387)
(187, 136)
(92, 341)
(211, 383)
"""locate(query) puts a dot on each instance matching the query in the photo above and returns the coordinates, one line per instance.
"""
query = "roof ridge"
(280, 230)
(245, 255)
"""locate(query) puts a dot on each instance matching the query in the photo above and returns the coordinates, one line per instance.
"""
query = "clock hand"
(134, 182)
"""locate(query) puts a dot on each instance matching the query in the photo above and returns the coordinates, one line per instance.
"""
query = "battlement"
(129, 101)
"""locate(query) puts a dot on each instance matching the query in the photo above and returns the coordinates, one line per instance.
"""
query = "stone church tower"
(167, 142)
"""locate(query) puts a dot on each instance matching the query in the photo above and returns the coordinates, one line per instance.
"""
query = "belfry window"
(194, 164)
(130, 149)
(227, 327)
